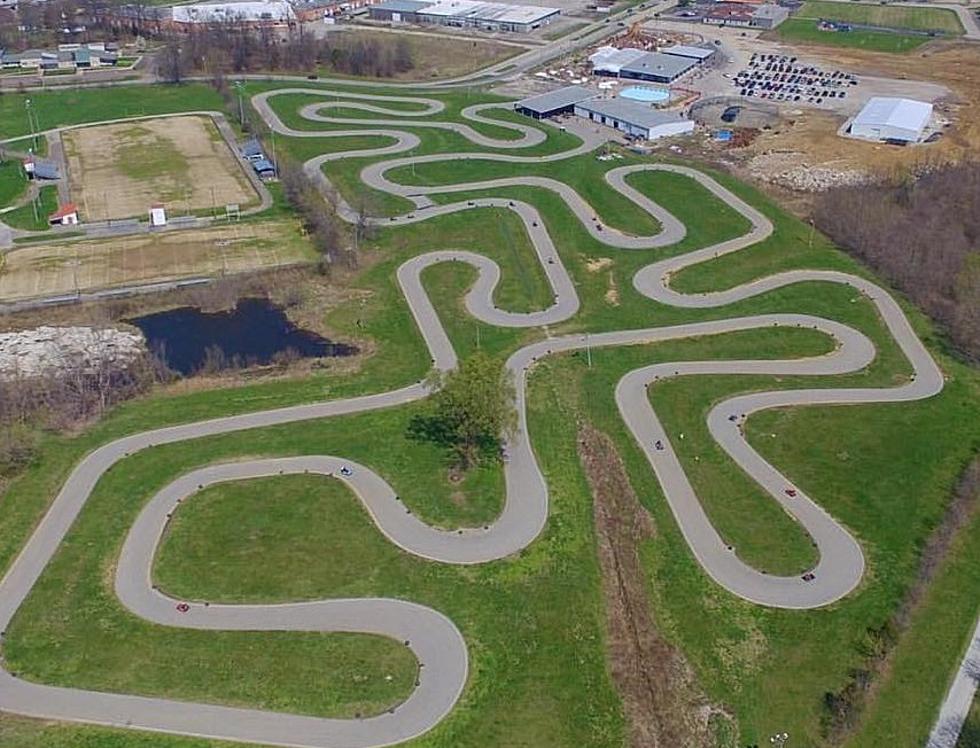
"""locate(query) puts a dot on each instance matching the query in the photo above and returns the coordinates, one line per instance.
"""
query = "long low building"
(488, 16)
(636, 120)
(886, 118)
(559, 101)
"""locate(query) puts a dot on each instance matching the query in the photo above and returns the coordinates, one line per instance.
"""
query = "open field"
(40, 270)
(538, 673)
(439, 55)
(884, 15)
(805, 31)
(803, 26)
(119, 171)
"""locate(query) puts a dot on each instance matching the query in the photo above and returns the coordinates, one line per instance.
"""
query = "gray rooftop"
(629, 111)
(561, 97)
(684, 50)
(401, 6)
(655, 63)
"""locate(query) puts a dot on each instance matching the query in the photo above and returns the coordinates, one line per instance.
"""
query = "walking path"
(953, 713)
(435, 641)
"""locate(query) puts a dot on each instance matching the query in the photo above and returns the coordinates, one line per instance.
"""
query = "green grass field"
(970, 735)
(803, 26)
(539, 676)
(889, 16)
(12, 182)
(24, 217)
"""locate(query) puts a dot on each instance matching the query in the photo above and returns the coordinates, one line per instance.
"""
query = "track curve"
(435, 640)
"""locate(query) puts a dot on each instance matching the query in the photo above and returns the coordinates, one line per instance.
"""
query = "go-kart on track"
(434, 639)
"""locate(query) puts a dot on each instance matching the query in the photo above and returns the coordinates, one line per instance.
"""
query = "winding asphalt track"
(435, 641)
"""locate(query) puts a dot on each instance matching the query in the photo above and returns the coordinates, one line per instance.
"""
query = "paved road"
(956, 706)
(435, 640)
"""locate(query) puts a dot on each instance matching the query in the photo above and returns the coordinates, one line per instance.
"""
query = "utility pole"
(275, 161)
(30, 122)
(239, 85)
(588, 350)
(812, 229)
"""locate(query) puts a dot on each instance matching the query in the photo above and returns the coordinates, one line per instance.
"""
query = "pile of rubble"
(788, 171)
(50, 350)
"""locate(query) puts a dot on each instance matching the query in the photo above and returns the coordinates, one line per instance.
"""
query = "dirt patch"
(597, 264)
(119, 171)
(663, 704)
(40, 270)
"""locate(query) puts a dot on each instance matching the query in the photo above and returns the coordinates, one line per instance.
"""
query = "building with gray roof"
(559, 101)
(657, 67)
(635, 119)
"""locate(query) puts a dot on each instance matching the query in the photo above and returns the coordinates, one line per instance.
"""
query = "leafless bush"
(923, 235)
(232, 47)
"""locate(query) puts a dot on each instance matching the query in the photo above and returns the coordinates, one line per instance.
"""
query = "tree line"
(922, 235)
(232, 47)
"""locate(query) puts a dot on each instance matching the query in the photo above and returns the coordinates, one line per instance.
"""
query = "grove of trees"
(470, 412)
(922, 235)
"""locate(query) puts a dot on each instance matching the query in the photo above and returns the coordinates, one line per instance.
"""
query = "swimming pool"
(645, 93)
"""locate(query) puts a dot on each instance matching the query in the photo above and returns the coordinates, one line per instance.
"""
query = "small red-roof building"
(66, 215)
(730, 14)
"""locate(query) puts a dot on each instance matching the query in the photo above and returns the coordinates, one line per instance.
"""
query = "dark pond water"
(256, 331)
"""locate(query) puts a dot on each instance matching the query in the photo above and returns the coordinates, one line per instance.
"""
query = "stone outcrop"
(47, 350)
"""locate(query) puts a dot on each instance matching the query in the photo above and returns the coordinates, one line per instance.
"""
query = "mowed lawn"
(890, 16)
(807, 31)
(803, 26)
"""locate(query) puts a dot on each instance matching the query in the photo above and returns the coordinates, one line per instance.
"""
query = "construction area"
(51, 270)
(119, 170)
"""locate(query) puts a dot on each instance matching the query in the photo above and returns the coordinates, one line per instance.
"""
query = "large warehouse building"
(634, 119)
(889, 119)
(639, 65)
(553, 103)
(465, 14)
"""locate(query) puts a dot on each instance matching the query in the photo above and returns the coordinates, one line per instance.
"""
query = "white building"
(884, 118)
(158, 215)
(252, 11)
(610, 60)
(636, 120)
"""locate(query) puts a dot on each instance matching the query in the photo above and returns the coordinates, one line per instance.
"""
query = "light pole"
(239, 85)
(30, 122)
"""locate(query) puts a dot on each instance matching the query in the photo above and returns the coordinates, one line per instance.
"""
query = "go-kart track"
(434, 639)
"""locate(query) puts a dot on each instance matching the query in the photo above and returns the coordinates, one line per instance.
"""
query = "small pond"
(255, 332)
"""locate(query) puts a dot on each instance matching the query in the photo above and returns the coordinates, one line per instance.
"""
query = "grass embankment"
(24, 217)
(538, 674)
(803, 27)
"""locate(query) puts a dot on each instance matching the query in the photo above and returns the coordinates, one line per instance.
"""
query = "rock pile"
(50, 350)
(786, 170)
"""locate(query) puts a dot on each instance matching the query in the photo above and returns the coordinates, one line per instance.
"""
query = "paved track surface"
(436, 642)
(956, 706)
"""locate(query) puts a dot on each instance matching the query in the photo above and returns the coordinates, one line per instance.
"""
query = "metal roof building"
(486, 15)
(701, 54)
(637, 120)
(610, 60)
(655, 66)
(885, 118)
(559, 101)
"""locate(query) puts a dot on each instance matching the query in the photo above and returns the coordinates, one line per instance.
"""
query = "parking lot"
(780, 77)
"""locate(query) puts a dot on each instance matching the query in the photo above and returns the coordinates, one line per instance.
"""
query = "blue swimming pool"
(645, 93)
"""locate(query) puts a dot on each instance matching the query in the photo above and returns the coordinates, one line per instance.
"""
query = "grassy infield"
(539, 676)
(803, 26)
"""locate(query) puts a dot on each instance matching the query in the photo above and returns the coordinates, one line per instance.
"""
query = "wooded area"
(923, 236)
(222, 48)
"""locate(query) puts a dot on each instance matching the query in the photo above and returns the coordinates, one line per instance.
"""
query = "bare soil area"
(120, 170)
(40, 270)
(664, 705)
